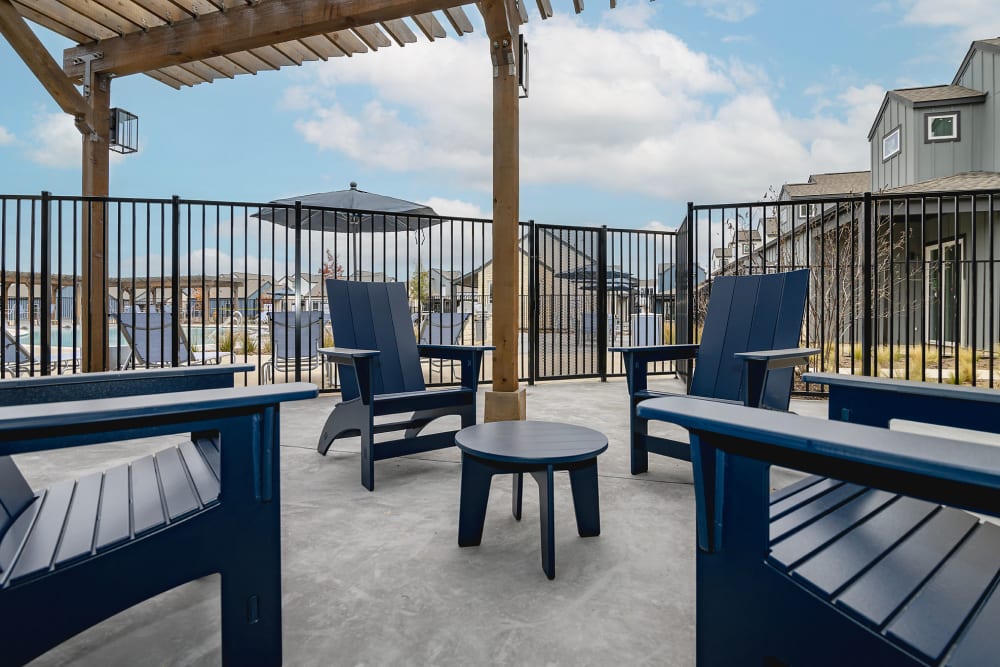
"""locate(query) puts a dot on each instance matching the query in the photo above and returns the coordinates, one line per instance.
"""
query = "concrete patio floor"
(378, 578)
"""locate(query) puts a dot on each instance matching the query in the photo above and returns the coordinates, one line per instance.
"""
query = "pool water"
(64, 336)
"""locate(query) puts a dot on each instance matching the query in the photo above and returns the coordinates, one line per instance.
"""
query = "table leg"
(475, 494)
(516, 495)
(546, 517)
(586, 504)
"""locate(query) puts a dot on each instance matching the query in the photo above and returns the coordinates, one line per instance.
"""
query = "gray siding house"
(934, 242)
(931, 141)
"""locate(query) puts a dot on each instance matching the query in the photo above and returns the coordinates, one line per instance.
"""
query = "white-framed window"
(941, 126)
(892, 143)
(489, 291)
(806, 211)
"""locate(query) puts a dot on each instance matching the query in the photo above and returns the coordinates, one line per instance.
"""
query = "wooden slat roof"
(87, 22)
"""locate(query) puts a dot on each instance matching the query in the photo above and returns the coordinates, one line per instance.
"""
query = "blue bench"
(873, 561)
(83, 550)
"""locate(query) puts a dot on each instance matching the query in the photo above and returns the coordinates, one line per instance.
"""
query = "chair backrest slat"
(748, 314)
(149, 336)
(375, 316)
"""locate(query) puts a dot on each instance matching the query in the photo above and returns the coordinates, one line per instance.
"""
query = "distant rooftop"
(934, 94)
(838, 183)
(968, 180)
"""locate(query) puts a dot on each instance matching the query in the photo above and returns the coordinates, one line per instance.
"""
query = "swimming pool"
(73, 336)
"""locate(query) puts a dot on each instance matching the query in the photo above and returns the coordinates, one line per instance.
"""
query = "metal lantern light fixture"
(124, 137)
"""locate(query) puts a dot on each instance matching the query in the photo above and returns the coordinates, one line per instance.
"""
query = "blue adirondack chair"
(283, 344)
(861, 564)
(379, 362)
(83, 550)
(747, 353)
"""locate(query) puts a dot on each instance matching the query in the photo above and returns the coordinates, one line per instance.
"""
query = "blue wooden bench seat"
(82, 550)
(73, 519)
(873, 561)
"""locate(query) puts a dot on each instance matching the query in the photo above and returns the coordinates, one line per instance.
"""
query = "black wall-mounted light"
(124, 137)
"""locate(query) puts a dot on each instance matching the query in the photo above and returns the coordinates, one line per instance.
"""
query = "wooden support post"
(506, 401)
(94, 315)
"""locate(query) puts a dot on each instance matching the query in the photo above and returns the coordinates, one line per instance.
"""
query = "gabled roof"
(928, 96)
(838, 183)
(931, 95)
(967, 180)
(746, 235)
(980, 45)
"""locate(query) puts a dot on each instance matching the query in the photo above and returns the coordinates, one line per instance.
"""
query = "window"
(807, 211)
(941, 126)
(891, 145)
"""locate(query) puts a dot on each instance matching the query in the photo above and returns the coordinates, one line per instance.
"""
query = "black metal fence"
(206, 281)
(901, 285)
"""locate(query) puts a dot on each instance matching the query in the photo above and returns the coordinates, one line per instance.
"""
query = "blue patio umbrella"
(353, 212)
(589, 275)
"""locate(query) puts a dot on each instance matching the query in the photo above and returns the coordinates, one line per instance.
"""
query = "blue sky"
(633, 111)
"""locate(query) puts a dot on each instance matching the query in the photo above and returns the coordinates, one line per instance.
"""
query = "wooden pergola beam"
(238, 29)
(41, 64)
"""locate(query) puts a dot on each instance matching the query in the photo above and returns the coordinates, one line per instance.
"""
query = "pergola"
(189, 42)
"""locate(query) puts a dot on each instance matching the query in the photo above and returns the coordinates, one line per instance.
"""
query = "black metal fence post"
(298, 292)
(532, 302)
(868, 269)
(175, 280)
(44, 316)
(602, 304)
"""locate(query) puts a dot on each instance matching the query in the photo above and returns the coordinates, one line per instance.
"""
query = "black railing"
(208, 278)
(902, 285)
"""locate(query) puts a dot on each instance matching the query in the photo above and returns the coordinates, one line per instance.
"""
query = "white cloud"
(55, 141)
(657, 226)
(968, 19)
(456, 208)
(631, 110)
(6, 137)
(727, 10)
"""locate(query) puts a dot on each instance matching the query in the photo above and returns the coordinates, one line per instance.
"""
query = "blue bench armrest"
(758, 364)
(31, 428)
(952, 472)
(876, 401)
(458, 352)
(650, 353)
(471, 357)
(793, 356)
(346, 355)
(54, 388)
(637, 359)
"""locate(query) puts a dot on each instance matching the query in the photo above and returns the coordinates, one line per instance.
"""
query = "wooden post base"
(505, 405)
